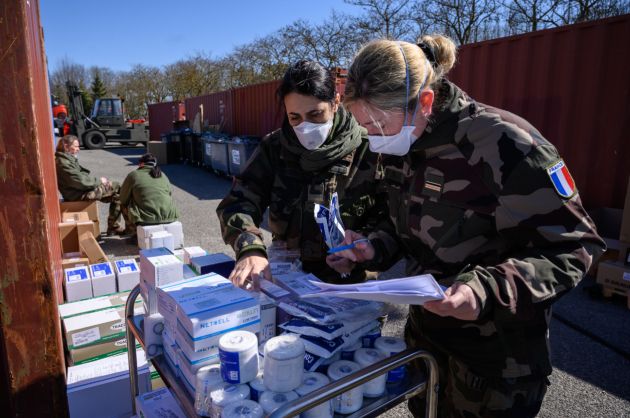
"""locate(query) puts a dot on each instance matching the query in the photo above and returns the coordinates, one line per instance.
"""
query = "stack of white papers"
(415, 290)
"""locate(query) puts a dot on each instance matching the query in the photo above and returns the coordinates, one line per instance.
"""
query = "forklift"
(106, 122)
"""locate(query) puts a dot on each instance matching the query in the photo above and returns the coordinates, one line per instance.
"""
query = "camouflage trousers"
(465, 394)
(108, 193)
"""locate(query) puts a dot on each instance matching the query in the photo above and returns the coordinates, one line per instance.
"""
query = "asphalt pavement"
(590, 336)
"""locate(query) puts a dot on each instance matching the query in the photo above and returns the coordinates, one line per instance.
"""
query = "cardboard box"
(159, 403)
(89, 246)
(267, 317)
(83, 206)
(69, 233)
(144, 235)
(90, 353)
(77, 283)
(96, 327)
(192, 252)
(67, 263)
(159, 151)
(218, 263)
(74, 217)
(103, 279)
(158, 267)
(176, 229)
(100, 389)
(614, 275)
(162, 239)
(92, 305)
(624, 235)
(127, 274)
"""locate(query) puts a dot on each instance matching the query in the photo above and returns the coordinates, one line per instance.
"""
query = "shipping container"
(161, 118)
(214, 110)
(572, 84)
(257, 110)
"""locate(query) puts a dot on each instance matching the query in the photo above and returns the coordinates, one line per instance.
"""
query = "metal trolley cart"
(411, 386)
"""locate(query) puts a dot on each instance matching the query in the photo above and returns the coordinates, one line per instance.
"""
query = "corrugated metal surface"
(32, 380)
(217, 110)
(256, 109)
(572, 84)
(161, 117)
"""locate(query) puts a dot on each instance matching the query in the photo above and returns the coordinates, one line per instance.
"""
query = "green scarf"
(344, 137)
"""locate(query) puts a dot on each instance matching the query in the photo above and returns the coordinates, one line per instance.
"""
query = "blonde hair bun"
(444, 52)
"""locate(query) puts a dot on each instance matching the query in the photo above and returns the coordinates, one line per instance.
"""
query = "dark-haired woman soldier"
(319, 150)
(145, 195)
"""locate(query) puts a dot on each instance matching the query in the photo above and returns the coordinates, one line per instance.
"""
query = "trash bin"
(187, 146)
(240, 150)
(197, 150)
(219, 155)
(206, 156)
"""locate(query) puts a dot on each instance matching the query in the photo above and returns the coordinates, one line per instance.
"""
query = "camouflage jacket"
(474, 201)
(274, 180)
(73, 180)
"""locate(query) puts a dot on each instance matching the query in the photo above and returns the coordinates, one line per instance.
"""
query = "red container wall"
(572, 84)
(217, 110)
(256, 109)
(161, 117)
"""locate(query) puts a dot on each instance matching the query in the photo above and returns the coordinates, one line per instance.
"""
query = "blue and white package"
(238, 352)
(218, 263)
(322, 347)
(103, 279)
(327, 331)
(329, 221)
(127, 274)
(78, 283)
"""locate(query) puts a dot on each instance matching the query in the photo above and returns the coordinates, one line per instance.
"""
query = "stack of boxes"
(170, 236)
(614, 276)
(93, 280)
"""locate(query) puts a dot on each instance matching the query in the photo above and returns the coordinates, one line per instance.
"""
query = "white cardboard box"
(162, 239)
(92, 305)
(159, 403)
(153, 330)
(127, 274)
(78, 283)
(160, 267)
(267, 317)
(100, 389)
(98, 326)
(144, 234)
(175, 228)
(191, 252)
(103, 279)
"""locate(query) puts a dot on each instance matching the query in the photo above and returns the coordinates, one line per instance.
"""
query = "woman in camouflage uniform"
(75, 183)
(479, 199)
(320, 149)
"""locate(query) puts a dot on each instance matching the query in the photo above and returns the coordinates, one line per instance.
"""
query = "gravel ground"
(591, 376)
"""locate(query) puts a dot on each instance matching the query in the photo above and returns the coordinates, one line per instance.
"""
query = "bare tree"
(460, 19)
(383, 18)
(573, 11)
(531, 15)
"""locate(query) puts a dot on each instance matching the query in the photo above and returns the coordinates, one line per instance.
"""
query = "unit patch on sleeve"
(562, 180)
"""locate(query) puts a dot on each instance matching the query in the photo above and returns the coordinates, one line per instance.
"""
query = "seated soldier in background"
(146, 195)
(75, 183)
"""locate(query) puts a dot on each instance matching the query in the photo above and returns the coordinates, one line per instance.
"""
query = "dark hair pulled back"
(149, 160)
(308, 78)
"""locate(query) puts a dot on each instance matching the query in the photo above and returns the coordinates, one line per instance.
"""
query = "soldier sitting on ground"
(320, 149)
(146, 195)
(75, 183)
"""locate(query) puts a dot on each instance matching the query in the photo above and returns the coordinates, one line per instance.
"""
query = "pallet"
(609, 291)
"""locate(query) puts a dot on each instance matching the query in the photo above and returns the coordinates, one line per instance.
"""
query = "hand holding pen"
(355, 249)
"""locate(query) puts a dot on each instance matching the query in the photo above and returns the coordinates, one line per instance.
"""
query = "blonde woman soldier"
(479, 199)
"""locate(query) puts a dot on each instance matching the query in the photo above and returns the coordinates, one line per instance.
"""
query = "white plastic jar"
(366, 357)
(390, 346)
(347, 353)
(243, 409)
(270, 400)
(352, 400)
(313, 381)
(283, 363)
(238, 352)
(226, 395)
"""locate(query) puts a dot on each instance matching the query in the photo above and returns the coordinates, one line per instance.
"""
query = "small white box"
(267, 317)
(175, 229)
(103, 279)
(78, 283)
(153, 329)
(92, 387)
(179, 253)
(162, 239)
(127, 274)
(191, 252)
(144, 234)
(159, 403)
(160, 267)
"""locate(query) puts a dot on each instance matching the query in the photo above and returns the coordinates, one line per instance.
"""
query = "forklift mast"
(76, 107)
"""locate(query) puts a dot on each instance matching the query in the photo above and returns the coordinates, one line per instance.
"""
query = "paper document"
(415, 290)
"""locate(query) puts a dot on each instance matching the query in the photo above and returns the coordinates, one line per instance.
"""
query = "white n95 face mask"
(312, 135)
(398, 144)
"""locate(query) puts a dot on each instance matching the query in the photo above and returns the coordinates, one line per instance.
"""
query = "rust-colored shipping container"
(162, 116)
(32, 374)
(572, 84)
(256, 109)
(216, 109)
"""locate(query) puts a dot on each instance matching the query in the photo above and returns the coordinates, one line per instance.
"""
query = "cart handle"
(330, 391)
(131, 345)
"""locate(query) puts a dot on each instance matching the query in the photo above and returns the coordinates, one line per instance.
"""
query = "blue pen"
(346, 247)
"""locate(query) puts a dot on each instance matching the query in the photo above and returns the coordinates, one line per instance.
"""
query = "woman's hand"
(460, 302)
(362, 251)
(248, 269)
(340, 264)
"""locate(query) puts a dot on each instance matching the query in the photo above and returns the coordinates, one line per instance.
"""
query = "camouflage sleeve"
(240, 212)
(556, 241)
